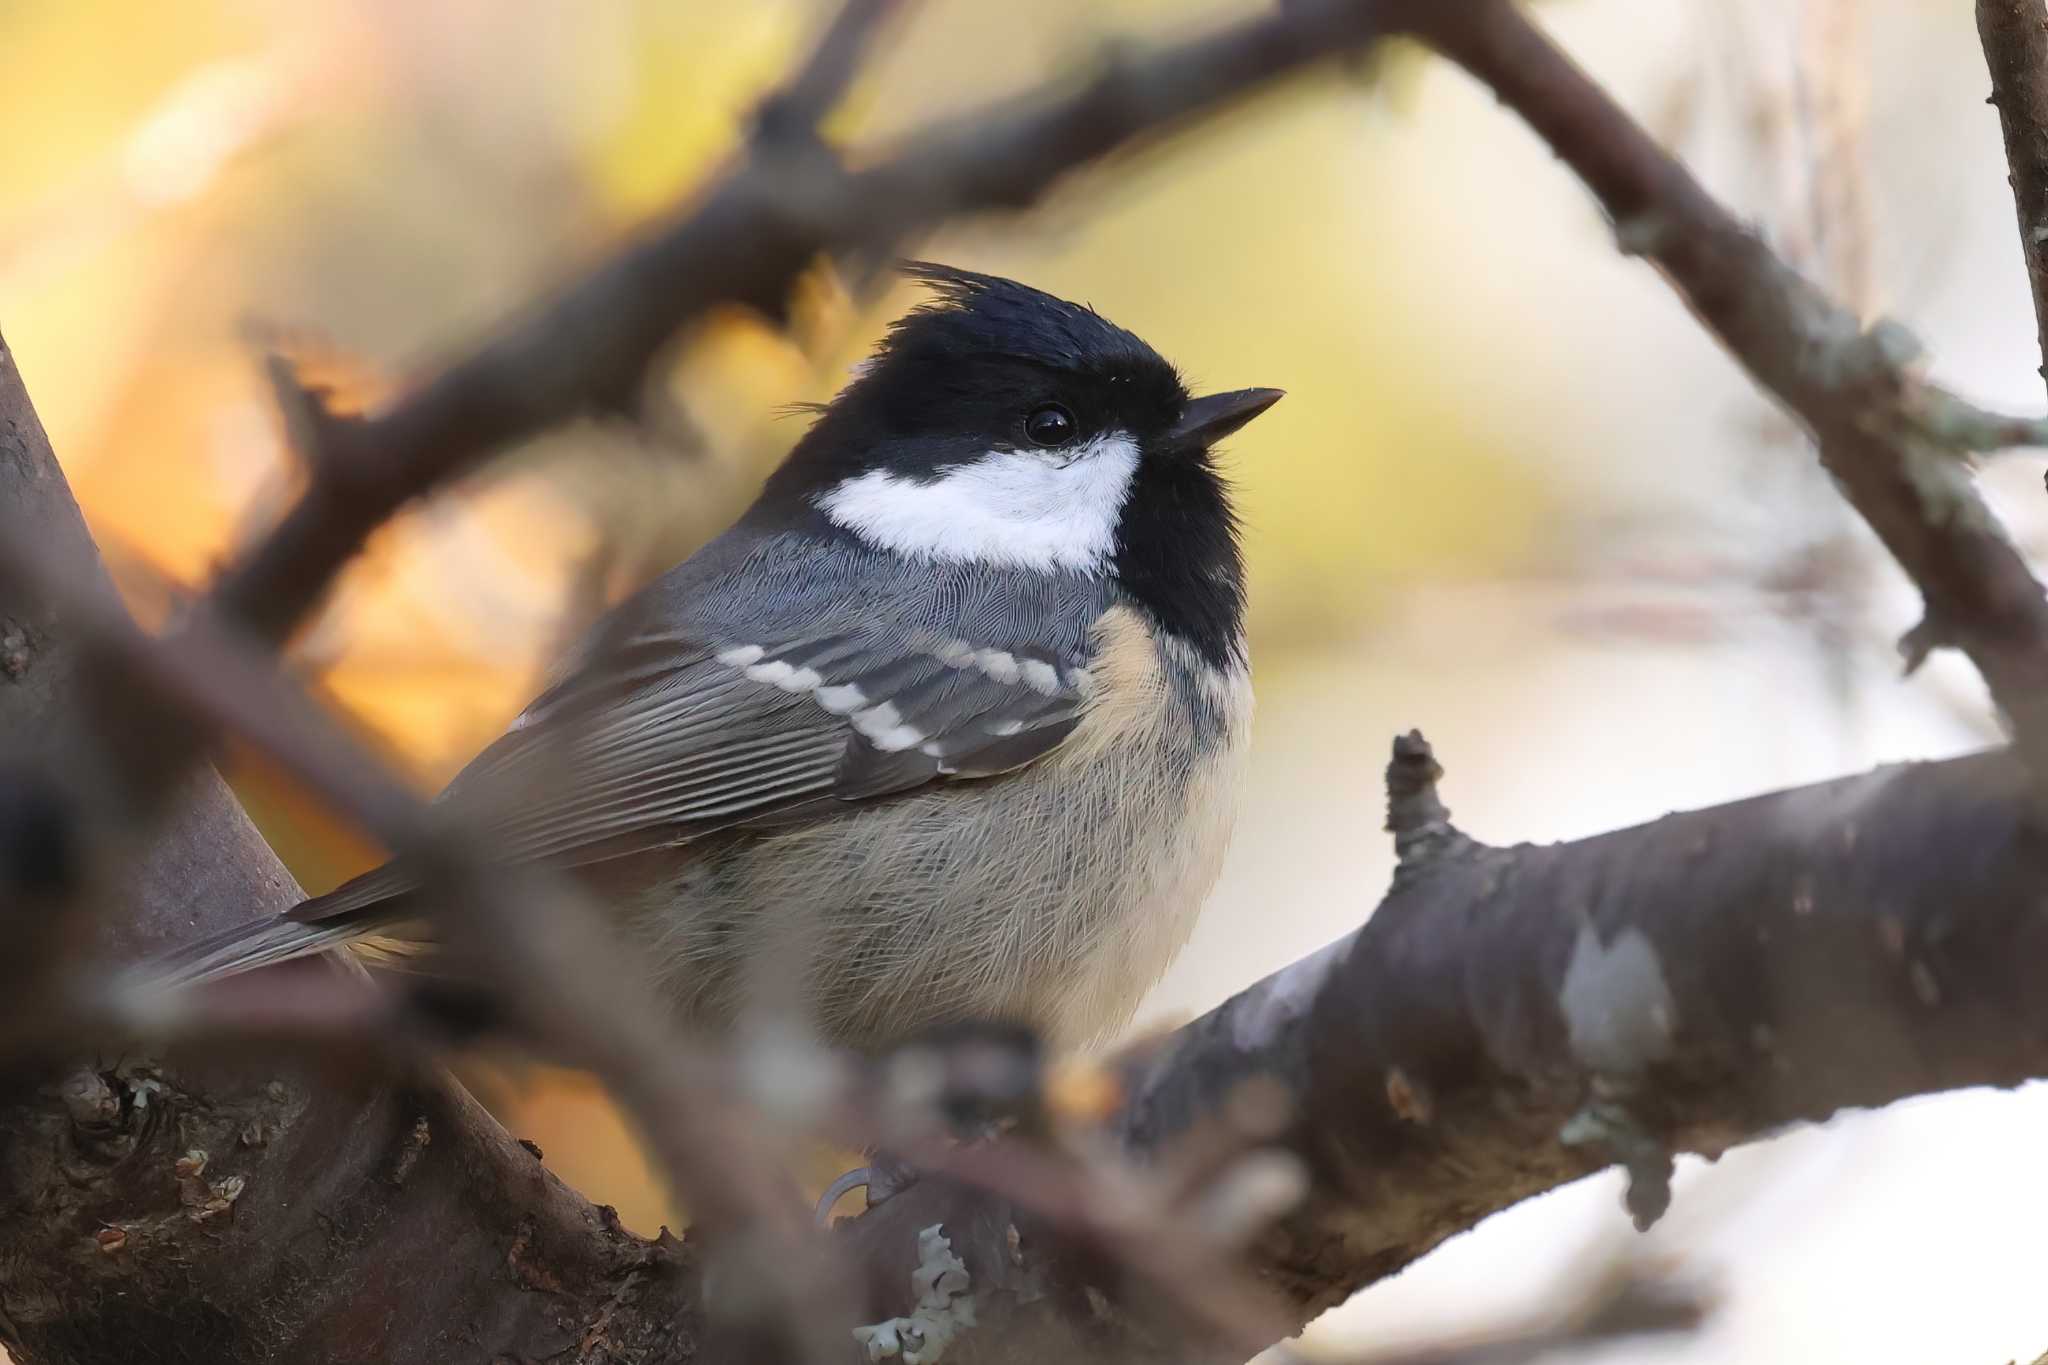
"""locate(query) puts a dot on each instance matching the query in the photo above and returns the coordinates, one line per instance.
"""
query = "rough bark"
(1511, 1019)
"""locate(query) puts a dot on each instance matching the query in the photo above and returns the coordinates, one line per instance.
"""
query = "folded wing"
(663, 738)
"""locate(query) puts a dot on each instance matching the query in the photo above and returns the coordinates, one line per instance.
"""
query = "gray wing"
(664, 737)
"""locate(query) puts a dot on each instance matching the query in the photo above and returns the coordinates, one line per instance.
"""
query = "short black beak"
(1205, 420)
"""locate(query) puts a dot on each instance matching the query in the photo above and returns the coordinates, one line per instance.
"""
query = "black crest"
(976, 315)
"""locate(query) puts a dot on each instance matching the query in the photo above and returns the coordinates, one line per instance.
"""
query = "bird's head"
(1002, 426)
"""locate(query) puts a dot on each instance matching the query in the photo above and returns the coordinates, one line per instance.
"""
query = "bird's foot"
(884, 1177)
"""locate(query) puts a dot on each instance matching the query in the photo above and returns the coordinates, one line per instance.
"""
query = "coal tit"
(947, 727)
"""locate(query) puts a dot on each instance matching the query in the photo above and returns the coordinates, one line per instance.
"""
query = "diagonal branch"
(814, 91)
(1893, 443)
(571, 984)
(2015, 38)
(745, 239)
(353, 1194)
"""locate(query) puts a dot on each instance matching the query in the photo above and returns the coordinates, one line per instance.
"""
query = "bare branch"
(2015, 38)
(1881, 428)
(1833, 99)
(567, 980)
(745, 240)
(1510, 1019)
(811, 94)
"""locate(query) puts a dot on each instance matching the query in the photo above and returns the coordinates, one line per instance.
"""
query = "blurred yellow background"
(1513, 497)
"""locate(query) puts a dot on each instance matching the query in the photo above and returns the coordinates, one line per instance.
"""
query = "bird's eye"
(1050, 425)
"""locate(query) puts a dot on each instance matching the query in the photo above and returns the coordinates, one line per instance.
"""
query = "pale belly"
(1034, 898)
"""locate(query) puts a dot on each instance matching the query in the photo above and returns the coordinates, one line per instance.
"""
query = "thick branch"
(1890, 440)
(1511, 1019)
(2015, 38)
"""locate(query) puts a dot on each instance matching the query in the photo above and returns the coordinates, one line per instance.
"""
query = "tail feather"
(244, 948)
(360, 909)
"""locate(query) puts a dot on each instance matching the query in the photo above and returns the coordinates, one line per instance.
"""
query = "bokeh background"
(1514, 497)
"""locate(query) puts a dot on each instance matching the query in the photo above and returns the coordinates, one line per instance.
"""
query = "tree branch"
(1510, 1019)
(1886, 435)
(808, 96)
(745, 240)
(2015, 38)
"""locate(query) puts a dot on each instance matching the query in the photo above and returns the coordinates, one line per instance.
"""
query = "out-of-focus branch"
(572, 992)
(1833, 104)
(809, 95)
(225, 1207)
(571, 985)
(2015, 38)
(745, 239)
(1893, 442)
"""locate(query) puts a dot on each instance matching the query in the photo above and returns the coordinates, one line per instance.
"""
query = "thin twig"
(1094, 1209)
(2015, 38)
(808, 96)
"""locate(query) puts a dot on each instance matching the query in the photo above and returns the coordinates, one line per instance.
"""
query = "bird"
(947, 727)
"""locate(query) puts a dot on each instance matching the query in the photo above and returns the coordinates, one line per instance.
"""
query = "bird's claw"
(883, 1177)
(857, 1178)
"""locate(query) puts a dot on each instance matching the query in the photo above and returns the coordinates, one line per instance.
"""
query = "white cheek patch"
(1016, 508)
